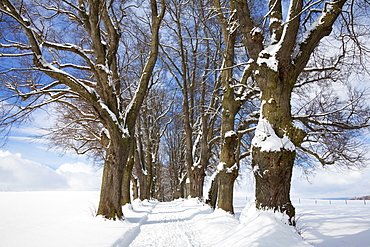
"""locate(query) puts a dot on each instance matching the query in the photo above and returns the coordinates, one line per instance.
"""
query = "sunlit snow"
(67, 218)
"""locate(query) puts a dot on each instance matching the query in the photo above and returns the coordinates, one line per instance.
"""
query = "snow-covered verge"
(334, 223)
(65, 218)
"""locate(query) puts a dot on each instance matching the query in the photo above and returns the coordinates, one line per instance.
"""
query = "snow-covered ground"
(40, 206)
(334, 223)
(65, 218)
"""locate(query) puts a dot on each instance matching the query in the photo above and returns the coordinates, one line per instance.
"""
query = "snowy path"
(188, 223)
(167, 224)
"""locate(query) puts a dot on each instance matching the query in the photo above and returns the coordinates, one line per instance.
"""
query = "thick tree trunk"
(273, 173)
(212, 193)
(196, 182)
(111, 187)
(135, 188)
(226, 191)
(127, 175)
(228, 171)
(180, 189)
(154, 186)
(228, 167)
(273, 147)
(145, 187)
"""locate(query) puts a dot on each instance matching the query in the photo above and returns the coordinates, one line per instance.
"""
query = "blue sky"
(23, 140)
(39, 152)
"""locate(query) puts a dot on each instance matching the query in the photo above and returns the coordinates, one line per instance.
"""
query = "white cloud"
(19, 174)
(81, 176)
(332, 182)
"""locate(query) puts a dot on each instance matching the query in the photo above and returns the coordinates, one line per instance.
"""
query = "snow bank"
(273, 229)
(255, 228)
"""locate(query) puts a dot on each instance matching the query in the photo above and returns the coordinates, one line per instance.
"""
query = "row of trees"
(168, 91)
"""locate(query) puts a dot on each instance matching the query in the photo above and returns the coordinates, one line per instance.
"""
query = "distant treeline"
(361, 198)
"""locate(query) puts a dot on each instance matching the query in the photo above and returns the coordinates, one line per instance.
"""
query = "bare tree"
(83, 67)
(236, 90)
(191, 54)
(152, 125)
(280, 47)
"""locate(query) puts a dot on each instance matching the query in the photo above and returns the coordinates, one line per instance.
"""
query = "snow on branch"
(319, 29)
(16, 54)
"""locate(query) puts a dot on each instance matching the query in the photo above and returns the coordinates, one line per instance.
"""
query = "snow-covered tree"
(280, 39)
(75, 46)
(236, 90)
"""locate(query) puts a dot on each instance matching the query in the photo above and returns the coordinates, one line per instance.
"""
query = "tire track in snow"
(169, 224)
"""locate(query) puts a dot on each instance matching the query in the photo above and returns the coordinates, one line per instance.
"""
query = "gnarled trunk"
(273, 147)
(228, 171)
(228, 168)
(273, 173)
(111, 187)
(226, 191)
(196, 182)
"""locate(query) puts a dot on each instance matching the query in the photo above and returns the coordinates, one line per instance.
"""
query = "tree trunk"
(226, 191)
(273, 147)
(135, 188)
(145, 187)
(111, 187)
(273, 173)
(127, 175)
(212, 193)
(180, 189)
(196, 182)
(228, 167)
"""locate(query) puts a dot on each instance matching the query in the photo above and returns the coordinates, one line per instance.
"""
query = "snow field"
(65, 218)
(334, 223)
(54, 218)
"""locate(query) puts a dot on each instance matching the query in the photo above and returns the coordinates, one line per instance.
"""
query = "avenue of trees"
(166, 93)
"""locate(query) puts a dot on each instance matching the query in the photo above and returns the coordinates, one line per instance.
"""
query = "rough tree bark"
(128, 178)
(277, 66)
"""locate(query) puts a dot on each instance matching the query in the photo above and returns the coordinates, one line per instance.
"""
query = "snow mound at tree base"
(267, 228)
(255, 228)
